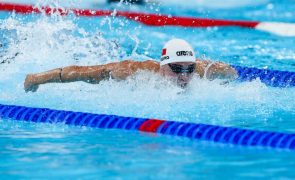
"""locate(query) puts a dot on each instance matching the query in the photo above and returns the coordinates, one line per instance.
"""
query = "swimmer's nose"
(183, 80)
(184, 77)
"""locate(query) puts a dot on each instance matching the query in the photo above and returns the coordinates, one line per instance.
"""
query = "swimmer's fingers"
(221, 71)
(33, 88)
(231, 73)
(29, 84)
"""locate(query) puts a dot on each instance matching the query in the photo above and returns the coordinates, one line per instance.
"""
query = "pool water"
(59, 151)
(35, 43)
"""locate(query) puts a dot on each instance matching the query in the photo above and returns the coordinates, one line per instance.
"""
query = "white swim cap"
(177, 50)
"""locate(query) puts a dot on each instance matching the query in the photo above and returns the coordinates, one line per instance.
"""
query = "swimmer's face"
(181, 72)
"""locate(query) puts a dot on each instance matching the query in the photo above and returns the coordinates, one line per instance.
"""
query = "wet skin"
(122, 70)
(182, 79)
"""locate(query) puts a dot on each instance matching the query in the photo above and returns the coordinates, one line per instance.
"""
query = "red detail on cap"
(164, 52)
(151, 125)
(147, 19)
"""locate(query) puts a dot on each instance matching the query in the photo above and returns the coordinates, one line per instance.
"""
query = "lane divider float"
(213, 133)
(269, 77)
(278, 28)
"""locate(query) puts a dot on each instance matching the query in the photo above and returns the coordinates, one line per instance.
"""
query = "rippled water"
(35, 43)
(60, 151)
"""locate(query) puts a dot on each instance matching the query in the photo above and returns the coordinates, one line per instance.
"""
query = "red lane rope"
(151, 125)
(147, 19)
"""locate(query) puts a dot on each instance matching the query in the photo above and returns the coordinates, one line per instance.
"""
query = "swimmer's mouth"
(182, 84)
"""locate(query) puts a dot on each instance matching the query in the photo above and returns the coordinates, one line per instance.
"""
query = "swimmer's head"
(178, 61)
(177, 50)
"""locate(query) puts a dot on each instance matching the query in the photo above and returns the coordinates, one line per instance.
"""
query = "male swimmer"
(178, 63)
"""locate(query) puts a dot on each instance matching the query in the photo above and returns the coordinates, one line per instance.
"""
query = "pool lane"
(218, 134)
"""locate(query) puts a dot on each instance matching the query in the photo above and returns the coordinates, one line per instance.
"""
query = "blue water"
(35, 43)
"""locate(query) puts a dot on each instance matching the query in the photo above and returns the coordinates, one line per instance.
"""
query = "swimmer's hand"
(29, 84)
(221, 71)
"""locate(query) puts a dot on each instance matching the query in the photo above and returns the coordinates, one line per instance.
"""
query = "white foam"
(47, 43)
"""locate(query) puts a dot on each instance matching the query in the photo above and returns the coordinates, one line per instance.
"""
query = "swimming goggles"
(176, 68)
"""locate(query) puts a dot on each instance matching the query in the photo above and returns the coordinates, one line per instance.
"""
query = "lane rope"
(269, 77)
(204, 132)
(278, 28)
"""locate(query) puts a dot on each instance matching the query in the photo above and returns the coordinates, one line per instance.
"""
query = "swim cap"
(177, 50)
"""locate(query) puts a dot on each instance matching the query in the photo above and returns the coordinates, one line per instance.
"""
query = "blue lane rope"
(219, 134)
(273, 78)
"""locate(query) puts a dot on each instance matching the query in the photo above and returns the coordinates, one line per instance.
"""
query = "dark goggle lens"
(180, 69)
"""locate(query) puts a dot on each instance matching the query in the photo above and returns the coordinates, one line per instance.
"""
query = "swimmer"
(178, 64)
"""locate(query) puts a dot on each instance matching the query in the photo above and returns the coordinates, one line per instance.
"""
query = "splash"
(40, 43)
(56, 41)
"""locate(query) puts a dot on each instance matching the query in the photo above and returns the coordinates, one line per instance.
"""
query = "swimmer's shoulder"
(149, 65)
(200, 66)
(131, 65)
(202, 63)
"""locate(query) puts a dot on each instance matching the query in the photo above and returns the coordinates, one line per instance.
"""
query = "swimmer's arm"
(216, 70)
(90, 74)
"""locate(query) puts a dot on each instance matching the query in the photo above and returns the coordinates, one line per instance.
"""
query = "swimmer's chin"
(184, 87)
(183, 84)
